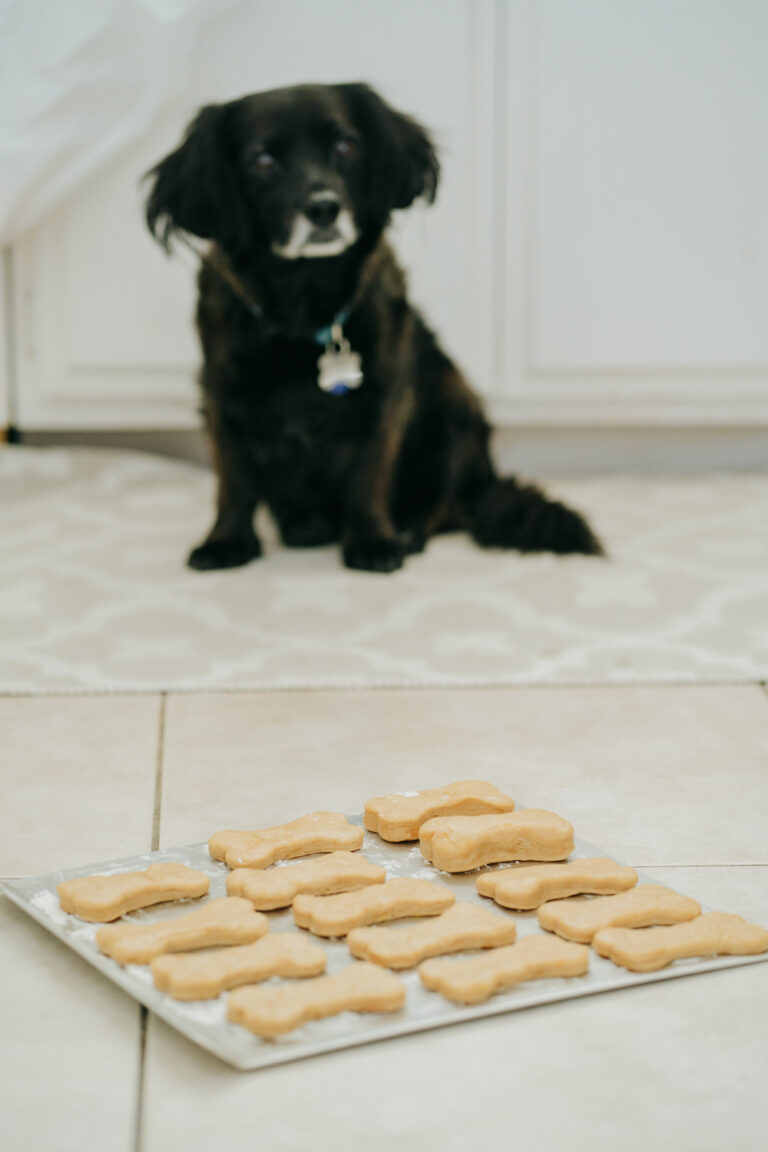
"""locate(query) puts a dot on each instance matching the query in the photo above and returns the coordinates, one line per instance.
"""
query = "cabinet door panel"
(651, 186)
(636, 185)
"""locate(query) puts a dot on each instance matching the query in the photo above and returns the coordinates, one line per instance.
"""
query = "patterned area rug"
(95, 596)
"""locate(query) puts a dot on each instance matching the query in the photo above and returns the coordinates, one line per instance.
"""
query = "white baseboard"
(528, 451)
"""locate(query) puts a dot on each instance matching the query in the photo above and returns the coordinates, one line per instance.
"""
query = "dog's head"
(301, 172)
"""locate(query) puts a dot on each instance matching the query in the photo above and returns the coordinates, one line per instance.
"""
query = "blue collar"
(324, 336)
(321, 336)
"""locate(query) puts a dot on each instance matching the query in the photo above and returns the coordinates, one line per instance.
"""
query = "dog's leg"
(370, 541)
(232, 541)
(430, 470)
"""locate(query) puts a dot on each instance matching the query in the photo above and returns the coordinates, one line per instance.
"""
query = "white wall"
(598, 253)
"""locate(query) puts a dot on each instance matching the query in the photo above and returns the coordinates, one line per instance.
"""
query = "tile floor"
(673, 779)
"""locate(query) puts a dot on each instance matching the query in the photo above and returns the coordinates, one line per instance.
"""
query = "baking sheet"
(205, 1022)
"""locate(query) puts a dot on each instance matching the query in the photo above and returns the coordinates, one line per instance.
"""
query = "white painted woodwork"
(5, 348)
(107, 332)
(636, 273)
(598, 254)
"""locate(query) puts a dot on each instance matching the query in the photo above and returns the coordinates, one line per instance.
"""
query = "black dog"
(326, 395)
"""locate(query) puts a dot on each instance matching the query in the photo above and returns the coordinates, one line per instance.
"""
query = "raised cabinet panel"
(106, 334)
(636, 179)
(106, 322)
(126, 305)
(650, 187)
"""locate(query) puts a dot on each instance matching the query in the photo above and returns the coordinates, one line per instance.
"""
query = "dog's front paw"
(373, 554)
(232, 553)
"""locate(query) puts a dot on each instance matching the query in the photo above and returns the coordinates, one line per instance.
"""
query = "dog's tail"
(505, 514)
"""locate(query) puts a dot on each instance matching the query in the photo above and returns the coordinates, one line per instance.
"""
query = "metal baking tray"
(206, 1023)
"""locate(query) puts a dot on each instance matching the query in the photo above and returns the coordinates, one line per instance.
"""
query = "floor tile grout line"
(157, 803)
(137, 1141)
(153, 688)
(727, 864)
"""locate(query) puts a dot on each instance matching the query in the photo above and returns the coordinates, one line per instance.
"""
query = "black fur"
(381, 468)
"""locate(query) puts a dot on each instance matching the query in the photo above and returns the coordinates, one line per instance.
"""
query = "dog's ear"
(195, 189)
(400, 156)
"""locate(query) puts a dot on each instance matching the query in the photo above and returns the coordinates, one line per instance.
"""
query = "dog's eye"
(264, 163)
(345, 148)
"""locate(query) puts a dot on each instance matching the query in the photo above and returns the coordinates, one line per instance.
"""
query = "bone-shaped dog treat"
(204, 975)
(337, 915)
(713, 934)
(476, 979)
(357, 988)
(276, 887)
(103, 898)
(228, 920)
(460, 843)
(580, 917)
(401, 815)
(463, 926)
(317, 832)
(529, 885)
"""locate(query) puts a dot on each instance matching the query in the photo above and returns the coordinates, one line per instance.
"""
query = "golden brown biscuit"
(276, 887)
(103, 898)
(580, 917)
(461, 843)
(480, 977)
(463, 926)
(204, 975)
(528, 885)
(270, 1012)
(713, 934)
(400, 815)
(317, 832)
(337, 915)
(228, 920)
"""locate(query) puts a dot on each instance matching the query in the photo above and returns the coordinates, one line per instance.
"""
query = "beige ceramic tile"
(741, 889)
(78, 776)
(651, 775)
(69, 1057)
(675, 1065)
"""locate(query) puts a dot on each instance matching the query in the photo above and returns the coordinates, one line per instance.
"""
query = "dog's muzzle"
(322, 228)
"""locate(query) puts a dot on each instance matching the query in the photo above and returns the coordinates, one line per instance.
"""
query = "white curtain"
(80, 79)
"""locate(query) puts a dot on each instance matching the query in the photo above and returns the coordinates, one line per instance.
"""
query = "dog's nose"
(322, 210)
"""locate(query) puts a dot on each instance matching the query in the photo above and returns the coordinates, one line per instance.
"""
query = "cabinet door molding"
(636, 270)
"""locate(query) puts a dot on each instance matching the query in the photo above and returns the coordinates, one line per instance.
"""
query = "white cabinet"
(598, 252)
(637, 227)
(106, 334)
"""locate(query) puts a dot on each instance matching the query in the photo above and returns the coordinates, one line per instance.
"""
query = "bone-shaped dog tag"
(339, 369)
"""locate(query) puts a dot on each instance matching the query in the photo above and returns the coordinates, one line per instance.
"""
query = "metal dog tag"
(339, 369)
